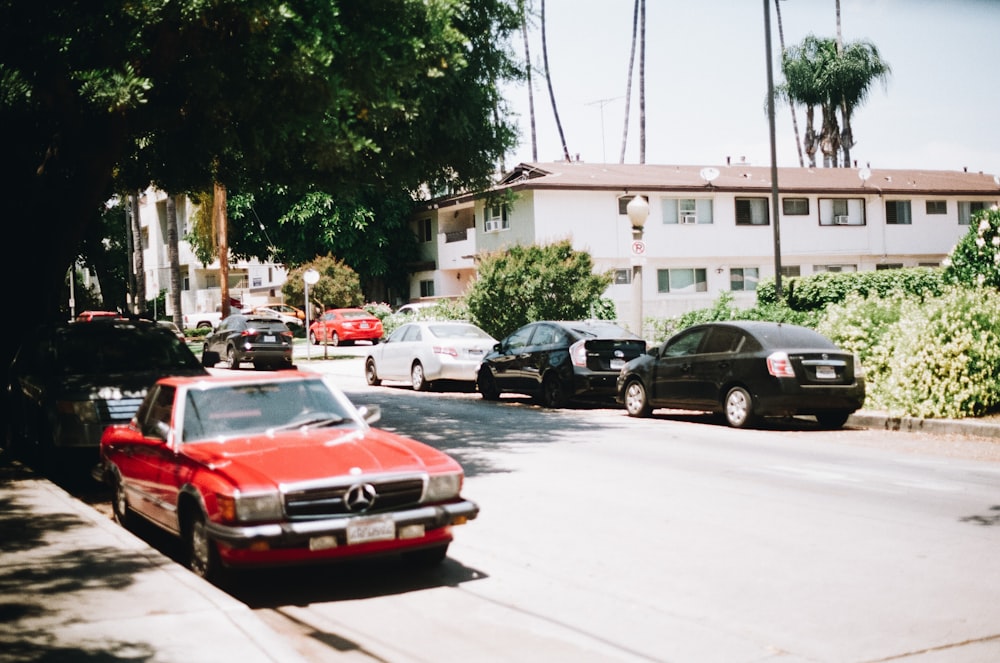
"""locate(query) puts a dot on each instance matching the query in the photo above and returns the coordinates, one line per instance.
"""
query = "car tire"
(202, 555)
(334, 340)
(553, 394)
(371, 374)
(313, 338)
(832, 420)
(119, 503)
(232, 359)
(417, 378)
(738, 408)
(426, 558)
(636, 399)
(487, 385)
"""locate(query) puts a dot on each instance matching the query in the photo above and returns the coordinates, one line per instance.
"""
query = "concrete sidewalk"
(77, 587)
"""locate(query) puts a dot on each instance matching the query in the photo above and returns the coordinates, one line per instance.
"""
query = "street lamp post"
(637, 210)
(310, 277)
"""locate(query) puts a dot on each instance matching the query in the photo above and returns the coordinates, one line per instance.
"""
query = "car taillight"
(780, 366)
(441, 350)
(578, 354)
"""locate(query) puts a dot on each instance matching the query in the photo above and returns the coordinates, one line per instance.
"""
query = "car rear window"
(356, 314)
(790, 336)
(266, 324)
(119, 349)
(458, 331)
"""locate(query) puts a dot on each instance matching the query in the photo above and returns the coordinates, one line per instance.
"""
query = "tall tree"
(628, 82)
(854, 72)
(138, 262)
(524, 9)
(791, 105)
(552, 95)
(642, 81)
(174, 260)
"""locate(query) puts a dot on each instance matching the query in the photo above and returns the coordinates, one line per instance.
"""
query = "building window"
(889, 265)
(834, 268)
(967, 208)
(496, 218)
(681, 281)
(743, 279)
(789, 271)
(937, 207)
(623, 276)
(424, 230)
(841, 212)
(687, 210)
(795, 206)
(897, 212)
(751, 212)
(623, 202)
(427, 288)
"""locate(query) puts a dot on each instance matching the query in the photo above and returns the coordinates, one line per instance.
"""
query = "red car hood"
(264, 461)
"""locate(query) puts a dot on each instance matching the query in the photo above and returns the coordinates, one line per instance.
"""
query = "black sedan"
(746, 370)
(264, 340)
(69, 381)
(557, 361)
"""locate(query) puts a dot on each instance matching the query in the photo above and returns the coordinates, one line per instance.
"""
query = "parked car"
(88, 316)
(288, 314)
(263, 340)
(415, 307)
(174, 329)
(557, 361)
(68, 381)
(426, 352)
(746, 370)
(345, 325)
(281, 468)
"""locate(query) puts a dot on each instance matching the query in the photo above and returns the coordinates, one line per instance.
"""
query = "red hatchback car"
(273, 469)
(345, 325)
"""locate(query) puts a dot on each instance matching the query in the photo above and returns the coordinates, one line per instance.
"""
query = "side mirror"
(370, 413)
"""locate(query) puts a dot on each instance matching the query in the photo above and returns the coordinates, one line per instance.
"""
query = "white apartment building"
(253, 283)
(709, 229)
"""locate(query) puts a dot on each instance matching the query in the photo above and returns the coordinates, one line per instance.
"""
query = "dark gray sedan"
(746, 370)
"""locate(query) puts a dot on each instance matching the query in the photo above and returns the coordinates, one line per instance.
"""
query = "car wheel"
(427, 557)
(371, 375)
(417, 378)
(553, 394)
(487, 385)
(636, 401)
(232, 361)
(832, 420)
(313, 339)
(738, 408)
(119, 504)
(334, 340)
(202, 555)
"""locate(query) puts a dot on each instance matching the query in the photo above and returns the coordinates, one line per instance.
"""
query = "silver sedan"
(425, 352)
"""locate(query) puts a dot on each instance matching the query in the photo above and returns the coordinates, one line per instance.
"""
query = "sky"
(706, 82)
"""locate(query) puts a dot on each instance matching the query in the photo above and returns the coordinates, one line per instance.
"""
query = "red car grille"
(323, 502)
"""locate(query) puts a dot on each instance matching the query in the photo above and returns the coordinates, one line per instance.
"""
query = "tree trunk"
(642, 81)
(791, 104)
(531, 89)
(138, 263)
(552, 96)
(628, 83)
(173, 258)
(220, 223)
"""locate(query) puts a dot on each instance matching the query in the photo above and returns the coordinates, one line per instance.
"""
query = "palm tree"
(854, 71)
(791, 106)
(173, 258)
(524, 8)
(138, 264)
(552, 96)
(628, 84)
(804, 67)
(642, 81)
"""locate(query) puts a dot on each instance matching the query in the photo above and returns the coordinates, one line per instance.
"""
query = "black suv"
(557, 361)
(69, 381)
(264, 340)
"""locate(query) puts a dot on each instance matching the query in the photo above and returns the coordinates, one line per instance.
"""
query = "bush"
(723, 310)
(817, 291)
(975, 261)
(443, 309)
(338, 287)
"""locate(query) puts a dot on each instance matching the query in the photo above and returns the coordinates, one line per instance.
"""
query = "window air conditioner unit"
(841, 220)
(689, 218)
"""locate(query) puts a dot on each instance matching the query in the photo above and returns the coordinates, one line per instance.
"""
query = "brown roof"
(740, 177)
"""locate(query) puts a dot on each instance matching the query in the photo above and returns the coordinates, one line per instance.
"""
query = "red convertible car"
(265, 470)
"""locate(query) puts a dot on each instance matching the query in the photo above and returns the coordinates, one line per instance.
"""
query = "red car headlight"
(443, 487)
(249, 507)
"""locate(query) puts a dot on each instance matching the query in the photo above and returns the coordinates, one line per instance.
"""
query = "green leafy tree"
(311, 95)
(338, 285)
(523, 284)
(975, 260)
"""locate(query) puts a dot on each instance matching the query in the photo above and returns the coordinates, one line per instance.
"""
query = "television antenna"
(603, 103)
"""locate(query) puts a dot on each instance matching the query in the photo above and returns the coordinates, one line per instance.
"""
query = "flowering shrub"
(975, 260)
(935, 358)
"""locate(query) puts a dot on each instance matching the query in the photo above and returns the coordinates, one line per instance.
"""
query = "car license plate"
(269, 338)
(617, 364)
(364, 325)
(322, 542)
(377, 528)
(825, 373)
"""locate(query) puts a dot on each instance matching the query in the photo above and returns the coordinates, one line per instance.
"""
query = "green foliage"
(523, 284)
(723, 309)
(938, 357)
(338, 285)
(817, 291)
(975, 261)
(443, 309)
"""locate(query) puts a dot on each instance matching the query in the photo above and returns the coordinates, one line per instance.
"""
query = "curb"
(878, 421)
